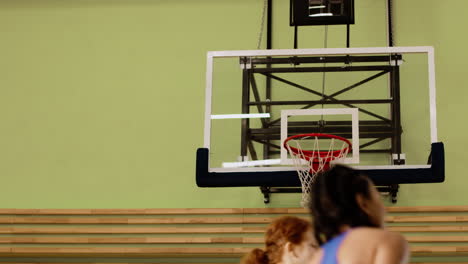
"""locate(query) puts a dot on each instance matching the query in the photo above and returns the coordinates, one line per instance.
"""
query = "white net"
(314, 160)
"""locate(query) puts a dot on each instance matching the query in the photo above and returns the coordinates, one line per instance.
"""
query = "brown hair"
(282, 230)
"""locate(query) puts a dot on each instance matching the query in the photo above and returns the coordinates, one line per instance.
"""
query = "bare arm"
(392, 249)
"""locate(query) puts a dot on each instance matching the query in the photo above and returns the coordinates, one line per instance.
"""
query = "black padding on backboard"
(240, 179)
(436, 173)
(204, 178)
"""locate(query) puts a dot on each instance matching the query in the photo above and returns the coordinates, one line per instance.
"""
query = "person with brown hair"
(349, 221)
(288, 240)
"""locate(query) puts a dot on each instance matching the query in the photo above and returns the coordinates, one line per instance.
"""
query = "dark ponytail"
(334, 204)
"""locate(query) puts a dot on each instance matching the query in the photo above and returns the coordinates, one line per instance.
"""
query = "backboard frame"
(333, 51)
(353, 112)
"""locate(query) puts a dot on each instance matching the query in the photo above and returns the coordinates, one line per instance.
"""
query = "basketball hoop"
(313, 161)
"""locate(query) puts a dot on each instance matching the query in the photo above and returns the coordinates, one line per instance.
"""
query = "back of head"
(334, 204)
(281, 231)
(256, 256)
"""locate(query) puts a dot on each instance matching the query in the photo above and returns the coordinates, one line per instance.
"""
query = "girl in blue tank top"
(344, 202)
(330, 249)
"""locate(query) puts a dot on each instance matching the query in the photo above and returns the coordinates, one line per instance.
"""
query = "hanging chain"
(262, 24)
(325, 45)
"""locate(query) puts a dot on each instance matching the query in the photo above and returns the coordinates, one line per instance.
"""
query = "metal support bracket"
(391, 190)
(266, 194)
(399, 159)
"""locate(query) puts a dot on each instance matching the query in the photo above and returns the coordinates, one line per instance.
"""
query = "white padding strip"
(235, 116)
(251, 163)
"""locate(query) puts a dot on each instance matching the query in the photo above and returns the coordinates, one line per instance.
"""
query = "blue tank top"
(330, 249)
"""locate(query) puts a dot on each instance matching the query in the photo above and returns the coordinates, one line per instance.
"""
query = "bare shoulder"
(393, 237)
(379, 234)
(370, 245)
(391, 248)
(393, 240)
(381, 237)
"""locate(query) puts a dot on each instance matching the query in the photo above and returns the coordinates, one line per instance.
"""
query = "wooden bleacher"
(437, 234)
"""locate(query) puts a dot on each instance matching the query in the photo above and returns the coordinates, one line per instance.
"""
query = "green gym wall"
(102, 101)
